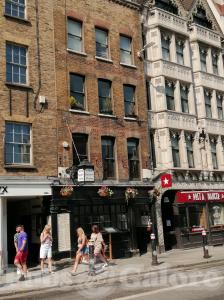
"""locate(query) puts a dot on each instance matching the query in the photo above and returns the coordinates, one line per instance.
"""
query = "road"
(196, 283)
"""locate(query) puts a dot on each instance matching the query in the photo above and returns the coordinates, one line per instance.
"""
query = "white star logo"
(166, 181)
(189, 197)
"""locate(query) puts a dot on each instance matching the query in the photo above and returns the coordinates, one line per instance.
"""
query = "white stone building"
(185, 74)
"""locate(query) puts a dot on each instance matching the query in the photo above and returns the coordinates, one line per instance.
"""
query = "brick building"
(28, 151)
(102, 110)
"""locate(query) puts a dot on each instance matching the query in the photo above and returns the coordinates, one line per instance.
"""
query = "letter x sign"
(166, 180)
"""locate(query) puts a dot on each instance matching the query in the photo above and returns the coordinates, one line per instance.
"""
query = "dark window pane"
(133, 159)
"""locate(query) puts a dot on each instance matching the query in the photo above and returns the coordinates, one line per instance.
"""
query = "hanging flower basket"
(130, 193)
(105, 191)
(66, 191)
(156, 192)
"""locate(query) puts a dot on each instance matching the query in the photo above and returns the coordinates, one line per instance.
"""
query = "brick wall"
(117, 19)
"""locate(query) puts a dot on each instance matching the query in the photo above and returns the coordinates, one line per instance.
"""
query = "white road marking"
(168, 289)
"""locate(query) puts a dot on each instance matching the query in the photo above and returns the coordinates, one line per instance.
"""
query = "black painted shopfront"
(84, 207)
(186, 213)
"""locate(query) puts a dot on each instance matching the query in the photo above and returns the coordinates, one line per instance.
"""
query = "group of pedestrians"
(21, 246)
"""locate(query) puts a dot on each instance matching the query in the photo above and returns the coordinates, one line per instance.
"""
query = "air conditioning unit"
(42, 99)
(62, 172)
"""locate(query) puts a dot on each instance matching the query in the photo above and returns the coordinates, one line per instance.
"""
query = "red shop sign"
(200, 196)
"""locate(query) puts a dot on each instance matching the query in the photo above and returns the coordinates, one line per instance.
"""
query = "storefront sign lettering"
(192, 197)
(3, 189)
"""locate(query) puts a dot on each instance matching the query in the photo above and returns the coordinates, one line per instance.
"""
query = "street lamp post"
(153, 234)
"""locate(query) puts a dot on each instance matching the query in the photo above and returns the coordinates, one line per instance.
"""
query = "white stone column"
(197, 152)
(159, 223)
(173, 49)
(157, 149)
(209, 154)
(209, 61)
(187, 55)
(214, 105)
(191, 100)
(220, 153)
(220, 64)
(177, 97)
(183, 151)
(3, 235)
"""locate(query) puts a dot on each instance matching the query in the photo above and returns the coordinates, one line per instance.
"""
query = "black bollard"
(91, 259)
(154, 252)
(205, 244)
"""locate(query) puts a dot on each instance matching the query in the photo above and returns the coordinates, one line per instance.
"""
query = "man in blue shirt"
(21, 255)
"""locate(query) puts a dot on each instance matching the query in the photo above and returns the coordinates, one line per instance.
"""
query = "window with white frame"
(77, 91)
(75, 40)
(133, 158)
(16, 63)
(190, 151)
(219, 99)
(15, 8)
(208, 105)
(184, 93)
(174, 136)
(165, 41)
(126, 50)
(213, 143)
(17, 143)
(129, 100)
(104, 92)
(180, 51)
(215, 58)
(108, 157)
(203, 58)
(170, 101)
(102, 43)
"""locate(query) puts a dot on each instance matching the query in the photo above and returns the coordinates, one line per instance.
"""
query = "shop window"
(133, 159)
(17, 143)
(75, 41)
(108, 157)
(184, 92)
(190, 151)
(170, 101)
(183, 223)
(203, 57)
(80, 148)
(208, 105)
(197, 217)
(126, 50)
(213, 143)
(175, 149)
(219, 99)
(129, 101)
(77, 91)
(165, 41)
(15, 8)
(215, 58)
(216, 215)
(180, 51)
(104, 92)
(101, 43)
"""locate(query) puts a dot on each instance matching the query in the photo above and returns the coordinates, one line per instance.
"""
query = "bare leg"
(50, 264)
(24, 266)
(19, 266)
(77, 259)
(42, 264)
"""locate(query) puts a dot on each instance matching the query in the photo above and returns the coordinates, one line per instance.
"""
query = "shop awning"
(199, 196)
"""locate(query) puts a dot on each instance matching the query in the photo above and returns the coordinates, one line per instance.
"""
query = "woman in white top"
(46, 248)
(99, 245)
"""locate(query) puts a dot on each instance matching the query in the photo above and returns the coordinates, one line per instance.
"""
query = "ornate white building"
(185, 74)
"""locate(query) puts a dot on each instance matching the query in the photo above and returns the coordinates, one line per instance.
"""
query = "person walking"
(22, 254)
(99, 245)
(16, 236)
(46, 248)
(82, 249)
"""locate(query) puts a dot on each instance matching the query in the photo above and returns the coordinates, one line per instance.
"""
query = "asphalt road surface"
(196, 283)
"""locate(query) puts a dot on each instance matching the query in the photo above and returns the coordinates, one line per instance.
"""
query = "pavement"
(118, 270)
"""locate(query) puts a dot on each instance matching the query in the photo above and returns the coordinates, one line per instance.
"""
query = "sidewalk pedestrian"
(99, 245)
(16, 236)
(82, 249)
(46, 248)
(21, 255)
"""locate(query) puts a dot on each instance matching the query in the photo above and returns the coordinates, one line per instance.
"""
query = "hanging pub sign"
(199, 196)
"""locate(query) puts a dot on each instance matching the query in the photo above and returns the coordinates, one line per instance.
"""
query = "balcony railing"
(159, 17)
(209, 80)
(172, 119)
(168, 69)
(207, 36)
